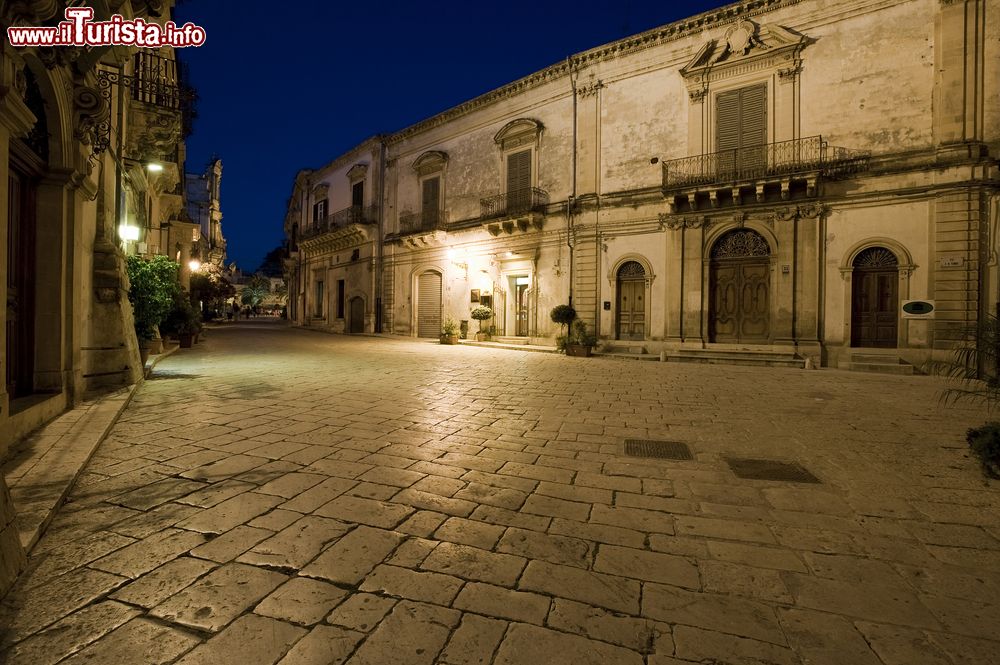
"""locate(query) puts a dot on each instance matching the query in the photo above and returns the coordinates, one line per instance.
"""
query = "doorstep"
(537, 348)
(41, 470)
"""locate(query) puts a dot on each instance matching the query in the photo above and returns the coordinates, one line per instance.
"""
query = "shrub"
(449, 328)
(153, 285)
(482, 313)
(985, 444)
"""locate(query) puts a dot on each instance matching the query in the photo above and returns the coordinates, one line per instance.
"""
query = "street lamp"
(194, 265)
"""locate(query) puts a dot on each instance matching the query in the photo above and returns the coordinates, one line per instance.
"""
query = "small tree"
(482, 313)
(256, 289)
(210, 286)
(153, 283)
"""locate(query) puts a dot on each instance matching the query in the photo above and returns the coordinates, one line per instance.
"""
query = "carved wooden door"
(631, 310)
(875, 299)
(739, 289)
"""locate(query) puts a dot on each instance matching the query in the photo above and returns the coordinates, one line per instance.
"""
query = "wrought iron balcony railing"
(783, 158)
(341, 219)
(517, 202)
(155, 81)
(419, 222)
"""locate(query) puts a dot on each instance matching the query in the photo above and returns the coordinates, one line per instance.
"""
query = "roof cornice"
(622, 47)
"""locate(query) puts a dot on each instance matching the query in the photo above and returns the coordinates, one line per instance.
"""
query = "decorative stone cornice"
(431, 161)
(357, 172)
(28, 12)
(623, 47)
(590, 89)
(523, 131)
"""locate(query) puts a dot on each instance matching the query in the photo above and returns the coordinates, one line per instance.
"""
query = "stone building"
(332, 226)
(91, 153)
(204, 208)
(771, 181)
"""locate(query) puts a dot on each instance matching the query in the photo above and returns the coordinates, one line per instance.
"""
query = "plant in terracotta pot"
(580, 341)
(563, 315)
(482, 313)
(182, 321)
(449, 331)
(152, 285)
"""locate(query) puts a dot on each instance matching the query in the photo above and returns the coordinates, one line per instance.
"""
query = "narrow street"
(276, 495)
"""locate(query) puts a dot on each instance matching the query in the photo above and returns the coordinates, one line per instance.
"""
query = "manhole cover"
(769, 469)
(661, 449)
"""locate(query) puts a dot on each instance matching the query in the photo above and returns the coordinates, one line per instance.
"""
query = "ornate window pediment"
(357, 172)
(432, 161)
(320, 191)
(745, 47)
(517, 133)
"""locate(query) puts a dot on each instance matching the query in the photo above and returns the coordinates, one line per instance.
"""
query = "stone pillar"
(51, 284)
(695, 269)
(959, 36)
(12, 558)
(674, 286)
(783, 258)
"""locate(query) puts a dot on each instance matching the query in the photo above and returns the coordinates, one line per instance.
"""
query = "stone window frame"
(357, 173)
(516, 136)
(431, 164)
(747, 54)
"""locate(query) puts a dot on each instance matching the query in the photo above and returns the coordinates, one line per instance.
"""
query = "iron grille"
(513, 203)
(342, 219)
(660, 449)
(770, 159)
(417, 222)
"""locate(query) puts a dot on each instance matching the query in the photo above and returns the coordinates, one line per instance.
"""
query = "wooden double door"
(631, 310)
(740, 299)
(874, 305)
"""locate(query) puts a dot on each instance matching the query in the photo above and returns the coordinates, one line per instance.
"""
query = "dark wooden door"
(874, 305)
(357, 322)
(21, 264)
(631, 309)
(740, 301)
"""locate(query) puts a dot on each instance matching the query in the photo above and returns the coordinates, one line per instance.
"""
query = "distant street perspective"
(279, 495)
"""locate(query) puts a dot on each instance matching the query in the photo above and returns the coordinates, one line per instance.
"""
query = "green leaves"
(152, 286)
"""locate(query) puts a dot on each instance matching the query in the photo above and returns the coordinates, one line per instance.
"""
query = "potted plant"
(449, 331)
(182, 321)
(563, 315)
(482, 313)
(152, 286)
(580, 341)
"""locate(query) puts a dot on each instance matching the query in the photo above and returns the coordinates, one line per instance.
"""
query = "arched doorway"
(875, 298)
(631, 311)
(739, 288)
(429, 304)
(356, 324)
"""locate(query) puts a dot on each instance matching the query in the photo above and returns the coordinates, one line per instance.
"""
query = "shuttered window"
(431, 201)
(358, 193)
(741, 118)
(518, 171)
(429, 305)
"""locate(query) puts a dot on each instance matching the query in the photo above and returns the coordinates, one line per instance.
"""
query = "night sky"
(284, 86)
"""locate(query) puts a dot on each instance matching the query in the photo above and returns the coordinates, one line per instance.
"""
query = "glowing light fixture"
(128, 233)
(194, 265)
(154, 167)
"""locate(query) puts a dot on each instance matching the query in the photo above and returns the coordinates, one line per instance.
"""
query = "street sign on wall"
(918, 309)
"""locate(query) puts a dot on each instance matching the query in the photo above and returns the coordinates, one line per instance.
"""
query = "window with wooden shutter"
(519, 180)
(741, 127)
(430, 204)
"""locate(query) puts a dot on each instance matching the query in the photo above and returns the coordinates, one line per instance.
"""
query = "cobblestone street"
(282, 496)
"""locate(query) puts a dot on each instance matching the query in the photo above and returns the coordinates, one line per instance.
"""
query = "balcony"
(421, 222)
(512, 204)
(340, 229)
(774, 171)
(518, 210)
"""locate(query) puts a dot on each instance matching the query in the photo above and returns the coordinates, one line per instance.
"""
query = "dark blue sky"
(289, 85)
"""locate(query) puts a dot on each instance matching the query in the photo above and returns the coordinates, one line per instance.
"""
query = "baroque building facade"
(204, 208)
(91, 164)
(794, 179)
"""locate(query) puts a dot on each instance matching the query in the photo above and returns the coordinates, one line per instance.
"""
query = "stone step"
(636, 348)
(754, 358)
(509, 340)
(881, 368)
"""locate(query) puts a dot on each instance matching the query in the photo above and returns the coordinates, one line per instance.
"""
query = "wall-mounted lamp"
(194, 265)
(128, 233)
(154, 167)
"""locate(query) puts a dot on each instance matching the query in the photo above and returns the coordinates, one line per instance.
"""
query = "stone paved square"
(305, 498)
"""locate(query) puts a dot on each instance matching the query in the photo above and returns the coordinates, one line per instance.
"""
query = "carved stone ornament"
(812, 210)
(28, 12)
(698, 94)
(90, 110)
(589, 89)
(741, 37)
(787, 214)
(59, 56)
(159, 137)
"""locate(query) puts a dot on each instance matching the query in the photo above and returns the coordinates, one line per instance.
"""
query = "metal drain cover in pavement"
(661, 449)
(769, 469)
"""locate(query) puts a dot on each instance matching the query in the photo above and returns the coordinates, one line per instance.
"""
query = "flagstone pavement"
(282, 496)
